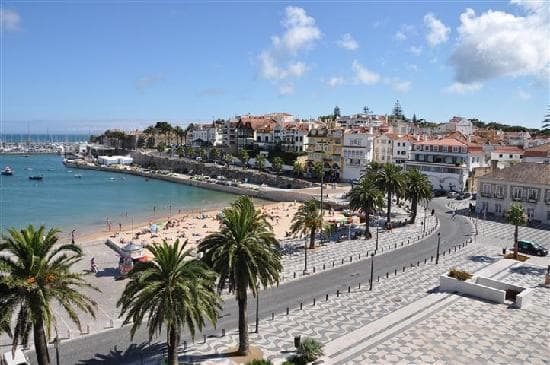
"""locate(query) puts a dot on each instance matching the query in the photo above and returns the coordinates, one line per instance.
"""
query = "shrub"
(294, 360)
(521, 258)
(459, 274)
(259, 362)
(310, 350)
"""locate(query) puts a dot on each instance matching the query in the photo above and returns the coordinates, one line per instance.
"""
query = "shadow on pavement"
(482, 259)
(528, 270)
(108, 272)
(134, 354)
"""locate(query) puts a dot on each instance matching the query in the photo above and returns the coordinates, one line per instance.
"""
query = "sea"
(85, 200)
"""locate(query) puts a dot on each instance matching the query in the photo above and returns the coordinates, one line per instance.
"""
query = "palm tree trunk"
(367, 228)
(40, 343)
(414, 208)
(388, 218)
(312, 239)
(172, 346)
(516, 243)
(243, 323)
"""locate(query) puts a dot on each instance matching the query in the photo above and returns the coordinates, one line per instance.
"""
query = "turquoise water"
(85, 203)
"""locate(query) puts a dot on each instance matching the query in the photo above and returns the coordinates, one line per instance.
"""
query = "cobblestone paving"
(330, 319)
(472, 331)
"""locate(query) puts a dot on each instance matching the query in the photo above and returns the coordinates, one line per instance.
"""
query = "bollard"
(449, 250)
(350, 258)
(401, 244)
(272, 316)
(278, 283)
(301, 305)
(417, 263)
(223, 332)
(324, 267)
(408, 242)
(387, 275)
(359, 285)
(425, 260)
(111, 323)
(342, 261)
(326, 298)
(184, 345)
(314, 269)
(349, 289)
(395, 271)
(395, 246)
(287, 310)
(443, 253)
(359, 257)
(314, 302)
(332, 263)
(455, 248)
(337, 293)
(431, 259)
(378, 280)
(403, 268)
(204, 338)
(294, 274)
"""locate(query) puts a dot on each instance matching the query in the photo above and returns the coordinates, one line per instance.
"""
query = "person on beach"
(72, 236)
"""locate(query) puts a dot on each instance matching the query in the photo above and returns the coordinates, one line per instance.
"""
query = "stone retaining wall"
(184, 165)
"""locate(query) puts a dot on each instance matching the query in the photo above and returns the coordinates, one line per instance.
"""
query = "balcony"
(486, 195)
(499, 196)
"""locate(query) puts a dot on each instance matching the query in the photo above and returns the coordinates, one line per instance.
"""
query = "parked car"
(451, 194)
(531, 248)
(438, 193)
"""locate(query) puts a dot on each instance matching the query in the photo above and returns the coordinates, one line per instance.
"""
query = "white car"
(17, 358)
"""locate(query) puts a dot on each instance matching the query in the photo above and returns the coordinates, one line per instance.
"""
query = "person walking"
(72, 236)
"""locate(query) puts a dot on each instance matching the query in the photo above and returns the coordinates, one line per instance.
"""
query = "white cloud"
(148, 81)
(363, 75)
(460, 88)
(411, 67)
(404, 32)
(347, 42)
(10, 20)
(397, 84)
(286, 89)
(437, 31)
(497, 43)
(335, 81)
(279, 62)
(523, 95)
(415, 50)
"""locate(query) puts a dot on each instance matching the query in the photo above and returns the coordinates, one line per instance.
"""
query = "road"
(100, 348)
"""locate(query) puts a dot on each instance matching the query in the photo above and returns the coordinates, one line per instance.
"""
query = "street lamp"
(56, 345)
(377, 228)
(424, 224)
(371, 270)
(257, 305)
(438, 243)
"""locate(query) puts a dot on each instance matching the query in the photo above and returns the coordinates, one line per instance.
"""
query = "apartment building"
(205, 135)
(325, 145)
(357, 152)
(526, 183)
(295, 137)
(505, 156)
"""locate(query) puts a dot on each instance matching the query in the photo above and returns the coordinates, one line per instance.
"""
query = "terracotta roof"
(443, 142)
(525, 172)
(539, 151)
(508, 149)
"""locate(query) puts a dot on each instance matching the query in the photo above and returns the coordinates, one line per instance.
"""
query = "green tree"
(308, 220)
(318, 169)
(228, 158)
(366, 196)
(180, 134)
(516, 215)
(215, 154)
(418, 189)
(161, 147)
(260, 162)
(188, 151)
(243, 253)
(35, 272)
(392, 179)
(172, 290)
(298, 168)
(277, 164)
(243, 156)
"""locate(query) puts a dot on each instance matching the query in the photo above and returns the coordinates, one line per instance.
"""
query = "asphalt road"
(114, 346)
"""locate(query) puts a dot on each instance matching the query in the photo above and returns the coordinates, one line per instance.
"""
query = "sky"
(85, 66)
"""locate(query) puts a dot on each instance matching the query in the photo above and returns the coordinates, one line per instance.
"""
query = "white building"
(295, 137)
(505, 156)
(206, 134)
(357, 152)
(526, 183)
(402, 147)
(537, 154)
(520, 139)
(115, 160)
(457, 124)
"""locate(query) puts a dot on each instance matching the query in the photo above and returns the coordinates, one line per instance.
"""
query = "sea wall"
(185, 165)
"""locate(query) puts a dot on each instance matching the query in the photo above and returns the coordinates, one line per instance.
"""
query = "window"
(498, 208)
(510, 156)
(500, 155)
(547, 196)
(417, 147)
(516, 193)
(445, 148)
(455, 149)
(533, 194)
(486, 190)
(499, 193)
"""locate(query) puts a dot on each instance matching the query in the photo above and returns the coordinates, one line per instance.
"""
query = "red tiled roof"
(539, 151)
(443, 142)
(509, 149)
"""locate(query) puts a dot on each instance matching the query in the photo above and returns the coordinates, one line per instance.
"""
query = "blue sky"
(86, 66)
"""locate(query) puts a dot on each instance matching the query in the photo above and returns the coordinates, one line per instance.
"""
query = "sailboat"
(7, 171)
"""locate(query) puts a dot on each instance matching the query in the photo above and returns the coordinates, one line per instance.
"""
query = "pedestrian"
(433, 212)
(454, 214)
(72, 236)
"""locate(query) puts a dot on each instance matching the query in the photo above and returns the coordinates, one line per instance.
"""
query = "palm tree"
(180, 134)
(375, 166)
(392, 180)
(318, 169)
(188, 151)
(243, 155)
(172, 290)
(34, 272)
(417, 189)
(298, 168)
(516, 216)
(308, 220)
(366, 196)
(277, 164)
(244, 253)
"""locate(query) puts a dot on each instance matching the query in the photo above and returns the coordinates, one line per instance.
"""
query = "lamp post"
(305, 272)
(377, 228)
(56, 345)
(371, 270)
(257, 305)
(438, 243)
(424, 224)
